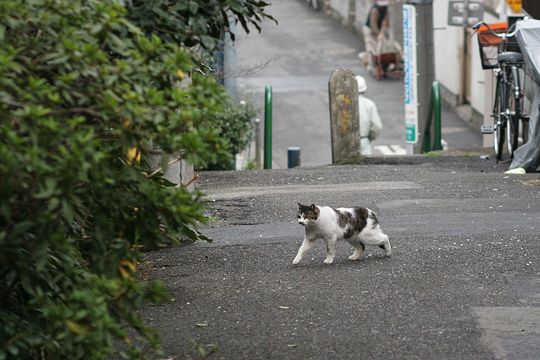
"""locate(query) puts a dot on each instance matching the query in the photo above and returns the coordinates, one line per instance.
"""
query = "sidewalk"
(463, 282)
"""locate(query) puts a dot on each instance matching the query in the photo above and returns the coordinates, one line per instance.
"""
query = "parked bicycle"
(500, 52)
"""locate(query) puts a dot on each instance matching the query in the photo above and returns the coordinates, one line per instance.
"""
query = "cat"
(358, 226)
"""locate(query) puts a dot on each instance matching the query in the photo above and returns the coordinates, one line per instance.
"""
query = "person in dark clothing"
(374, 27)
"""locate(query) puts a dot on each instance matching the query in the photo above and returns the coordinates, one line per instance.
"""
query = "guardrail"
(434, 116)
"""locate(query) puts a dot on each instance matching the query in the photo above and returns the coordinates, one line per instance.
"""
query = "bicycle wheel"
(499, 118)
(512, 128)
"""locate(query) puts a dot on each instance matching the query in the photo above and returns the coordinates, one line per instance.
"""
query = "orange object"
(515, 5)
(490, 45)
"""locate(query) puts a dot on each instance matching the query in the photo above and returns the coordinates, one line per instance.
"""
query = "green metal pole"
(426, 141)
(268, 127)
(437, 126)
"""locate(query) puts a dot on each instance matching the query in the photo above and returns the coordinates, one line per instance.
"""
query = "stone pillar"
(344, 118)
(175, 170)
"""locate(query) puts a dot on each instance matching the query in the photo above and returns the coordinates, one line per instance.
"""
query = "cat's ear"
(312, 207)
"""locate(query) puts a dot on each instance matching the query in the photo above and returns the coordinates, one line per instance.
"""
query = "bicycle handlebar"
(510, 33)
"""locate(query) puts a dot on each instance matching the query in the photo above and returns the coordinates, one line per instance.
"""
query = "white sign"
(410, 76)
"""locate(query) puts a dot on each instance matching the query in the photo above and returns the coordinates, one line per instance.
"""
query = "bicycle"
(508, 104)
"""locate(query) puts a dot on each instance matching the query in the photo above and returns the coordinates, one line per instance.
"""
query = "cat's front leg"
(306, 245)
(330, 249)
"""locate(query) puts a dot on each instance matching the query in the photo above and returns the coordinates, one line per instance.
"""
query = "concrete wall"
(340, 9)
(353, 14)
(360, 14)
(448, 41)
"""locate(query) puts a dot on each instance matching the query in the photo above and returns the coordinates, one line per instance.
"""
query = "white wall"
(448, 42)
(341, 7)
(479, 82)
(361, 13)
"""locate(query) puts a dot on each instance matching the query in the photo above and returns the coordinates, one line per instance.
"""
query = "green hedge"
(81, 88)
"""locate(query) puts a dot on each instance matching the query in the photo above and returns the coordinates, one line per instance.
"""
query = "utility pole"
(464, 75)
(419, 69)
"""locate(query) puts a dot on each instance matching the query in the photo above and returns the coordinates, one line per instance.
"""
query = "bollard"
(344, 118)
(268, 127)
(437, 126)
(293, 157)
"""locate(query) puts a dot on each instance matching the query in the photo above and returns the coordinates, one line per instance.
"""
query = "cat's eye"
(298, 216)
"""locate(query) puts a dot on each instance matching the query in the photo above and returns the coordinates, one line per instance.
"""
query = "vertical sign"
(410, 79)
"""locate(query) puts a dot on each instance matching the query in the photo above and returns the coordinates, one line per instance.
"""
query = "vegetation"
(86, 96)
(236, 129)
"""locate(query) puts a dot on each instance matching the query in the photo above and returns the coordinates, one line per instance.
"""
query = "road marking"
(253, 191)
(391, 149)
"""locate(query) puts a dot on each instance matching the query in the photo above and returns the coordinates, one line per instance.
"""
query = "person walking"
(370, 121)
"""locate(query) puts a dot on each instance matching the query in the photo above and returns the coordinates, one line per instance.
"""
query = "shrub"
(235, 126)
(85, 94)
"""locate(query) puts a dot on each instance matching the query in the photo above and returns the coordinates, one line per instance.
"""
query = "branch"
(196, 177)
(80, 111)
(160, 168)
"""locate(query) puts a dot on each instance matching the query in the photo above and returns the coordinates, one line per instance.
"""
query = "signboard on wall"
(410, 74)
(459, 9)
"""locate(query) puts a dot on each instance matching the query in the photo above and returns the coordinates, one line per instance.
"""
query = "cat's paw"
(296, 261)
(354, 257)
(328, 261)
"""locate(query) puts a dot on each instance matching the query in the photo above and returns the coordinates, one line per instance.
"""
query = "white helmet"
(362, 86)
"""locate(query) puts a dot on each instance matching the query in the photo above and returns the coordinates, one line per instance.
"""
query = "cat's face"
(307, 213)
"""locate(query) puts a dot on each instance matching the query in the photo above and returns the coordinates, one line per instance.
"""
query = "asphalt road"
(296, 57)
(463, 281)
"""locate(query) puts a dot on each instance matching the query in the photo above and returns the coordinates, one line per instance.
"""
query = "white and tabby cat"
(358, 226)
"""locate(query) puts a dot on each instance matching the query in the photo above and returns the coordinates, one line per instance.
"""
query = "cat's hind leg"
(358, 249)
(306, 245)
(386, 246)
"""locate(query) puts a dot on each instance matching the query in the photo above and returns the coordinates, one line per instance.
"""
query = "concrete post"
(344, 118)
(229, 60)
(425, 64)
(175, 169)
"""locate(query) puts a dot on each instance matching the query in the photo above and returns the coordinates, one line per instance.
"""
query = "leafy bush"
(235, 126)
(84, 94)
(191, 23)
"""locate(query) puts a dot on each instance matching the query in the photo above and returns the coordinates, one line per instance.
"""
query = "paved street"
(463, 282)
(296, 58)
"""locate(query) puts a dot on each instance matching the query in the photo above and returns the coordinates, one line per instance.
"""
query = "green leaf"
(76, 328)
(67, 211)
(208, 42)
(47, 189)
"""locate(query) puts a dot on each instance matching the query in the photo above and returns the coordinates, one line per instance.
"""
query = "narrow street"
(462, 282)
(296, 57)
